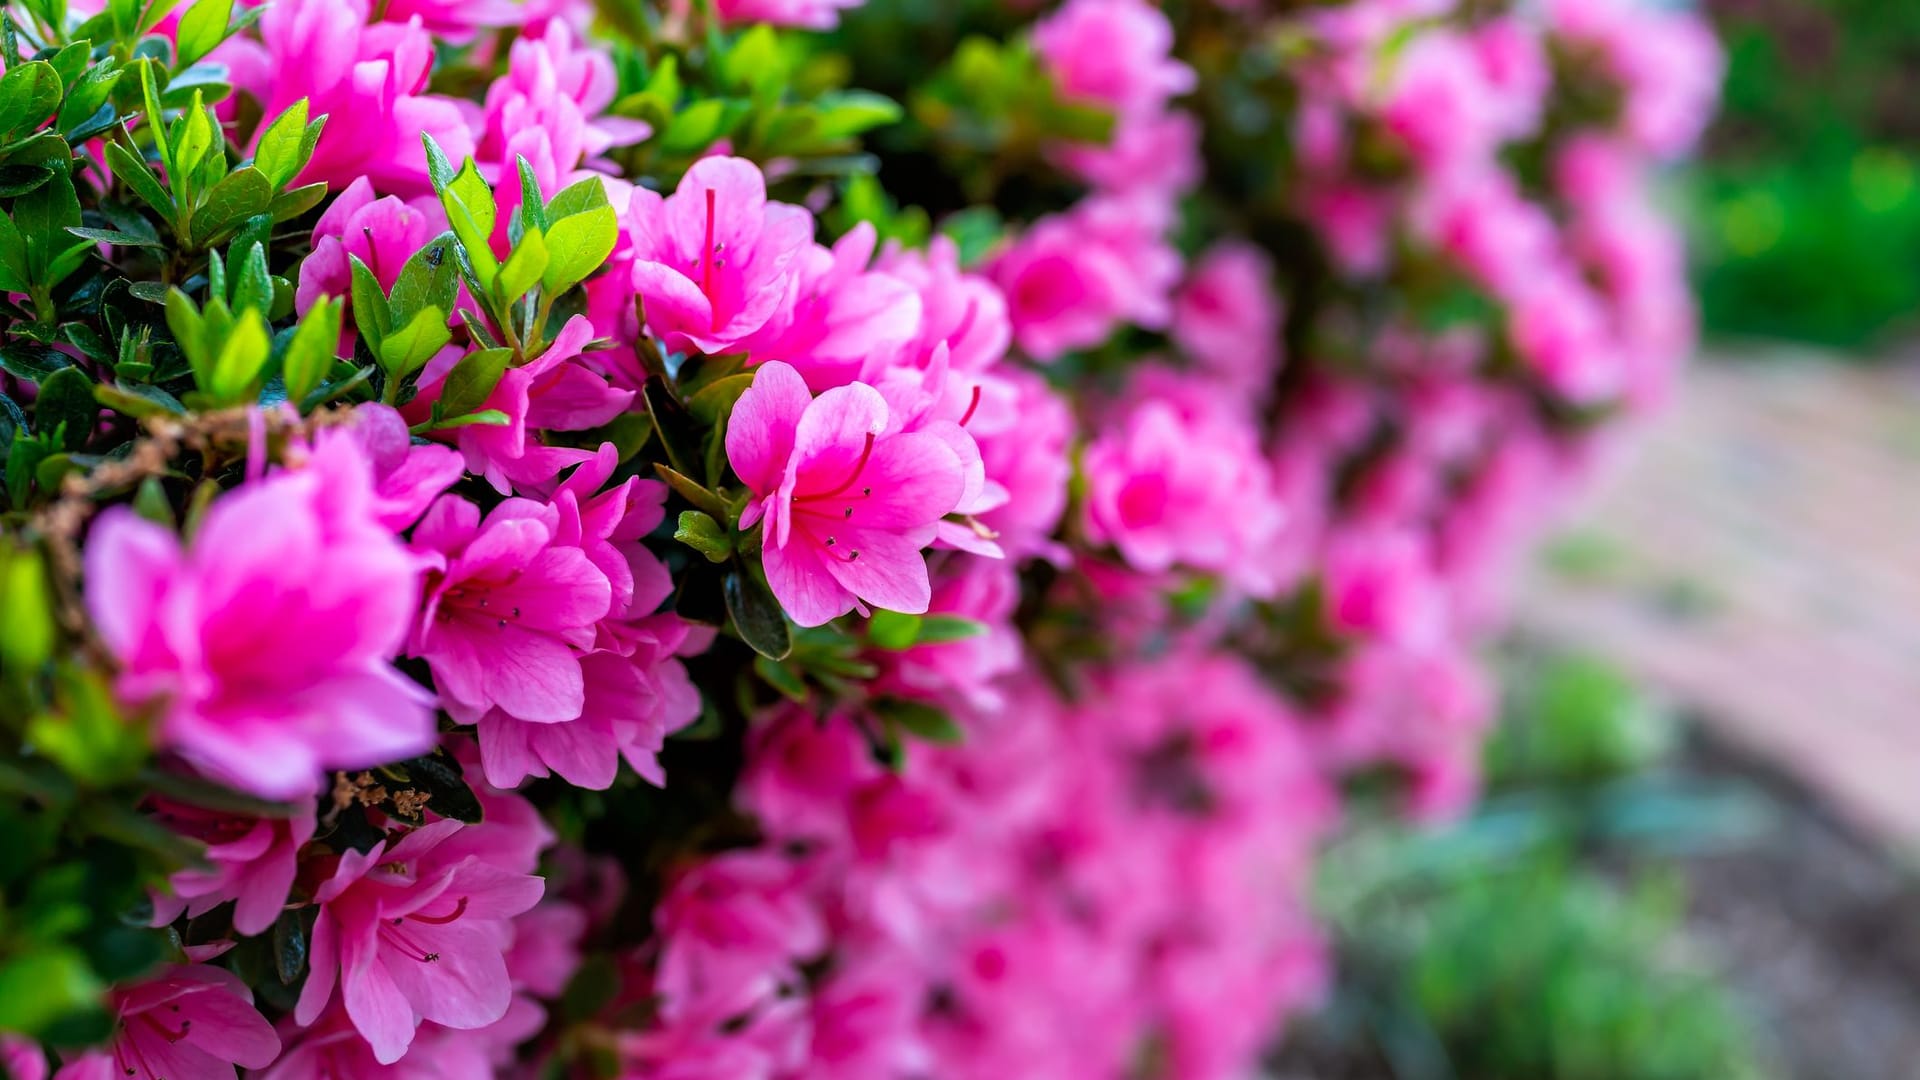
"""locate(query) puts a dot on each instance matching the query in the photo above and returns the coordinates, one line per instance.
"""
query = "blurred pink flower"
(266, 644)
(188, 1023)
(249, 860)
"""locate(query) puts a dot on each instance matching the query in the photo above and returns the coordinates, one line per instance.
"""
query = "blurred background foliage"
(1543, 937)
(1807, 195)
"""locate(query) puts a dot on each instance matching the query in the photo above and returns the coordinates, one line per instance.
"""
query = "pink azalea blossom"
(960, 310)
(265, 646)
(332, 1049)
(1158, 155)
(508, 611)
(843, 316)
(409, 934)
(188, 1023)
(1169, 491)
(1115, 52)
(249, 860)
(383, 233)
(555, 391)
(1227, 317)
(1071, 279)
(369, 81)
(806, 14)
(407, 476)
(848, 503)
(714, 261)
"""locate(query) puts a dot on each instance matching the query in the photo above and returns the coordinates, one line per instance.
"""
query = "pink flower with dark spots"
(410, 934)
(189, 1023)
(848, 504)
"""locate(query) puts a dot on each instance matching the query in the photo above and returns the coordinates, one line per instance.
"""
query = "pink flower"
(1169, 491)
(331, 1049)
(733, 929)
(549, 108)
(367, 79)
(266, 644)
(555, 391)
(843, 316)
(1158, 154)
(1115, 52)
(982, 590)
(409, 934)
(455, 20)
(188, 1023)
(1440, 104)
(959, 310)
(807, 14)
(407, 476)
(1228, 319)
(1024, 430)
(714, 261)
(382, 233)
(508, 612)
(249, 860)
(1382, 583)
(22, 1060)
(848, 503)
(1073, 278)
(1558, 325)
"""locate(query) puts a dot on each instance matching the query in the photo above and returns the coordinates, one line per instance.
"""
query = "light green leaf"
(242, 357)
(472, 380)
(279, 154)
(310, 351)
(408, 348)
(430, 278)
(522, 269)
(577, 246)
(202, 29)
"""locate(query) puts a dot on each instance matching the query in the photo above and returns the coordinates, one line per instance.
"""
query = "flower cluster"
(524, 556)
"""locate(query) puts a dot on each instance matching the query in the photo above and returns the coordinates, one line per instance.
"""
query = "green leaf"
(242, 357)
(714, 401)
(28, 96)
(693, 492)
(138, 401)
(14, 275)
(754, 62)
(756, 615)
(522, 270)
(705, 535)
(42, 984)
(249, 284)
(577, 246)
(43, 218)
(232, 201)
(202, 29)
(30, 361)
(114, 237)
(88, 97)
(846, 113)
(577, 199)
(155, 118)
(941, 629)
(482, 418)
(289, 947)
(533, 205)
(782, 678)
(371, 316)
(407, 349)
(893, 630)
(310, 349)
(919, 719)
(282, 151)
(472, 380)
(291, 204)
(26, 607)
(190, 334)
(695, 128)
(430, 279)
(133, 171)
(66, 397)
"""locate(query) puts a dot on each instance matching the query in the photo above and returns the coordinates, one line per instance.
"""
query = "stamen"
(459, 909)
(971, 405)
(706, 262)
(860, 466)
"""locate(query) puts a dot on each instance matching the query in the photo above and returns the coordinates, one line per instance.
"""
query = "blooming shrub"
(771, 538)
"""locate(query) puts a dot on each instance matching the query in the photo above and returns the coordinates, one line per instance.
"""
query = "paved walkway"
(1759, 559)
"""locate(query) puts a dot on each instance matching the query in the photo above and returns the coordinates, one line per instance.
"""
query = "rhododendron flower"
(368, 80)
(959, 310)
(733, 929)
(410, 934)
(1072, 278)
(188, 1023)
(383, 233)
(842, 316)
(714, 261)
(1171, 491)
(265, 646)
(407, 476)
(808, 14)
(332, 1049)
(508, 610)
(1227, 317)
(848, 504)
(555, 391)
(249, 860)
(1115, 52)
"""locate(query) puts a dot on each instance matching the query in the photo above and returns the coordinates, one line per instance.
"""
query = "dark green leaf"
(289, 947)
(919, 719)
(708, 502)
(31, 362)
(66, 397)
(472, 380)
(756, 616)
(241, 195)
(430, 278)
(28, 96)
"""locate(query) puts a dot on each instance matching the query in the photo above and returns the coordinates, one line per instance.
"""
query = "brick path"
(1759, 559)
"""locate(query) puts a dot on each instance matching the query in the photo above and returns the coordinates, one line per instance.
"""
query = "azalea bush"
(772, 538)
